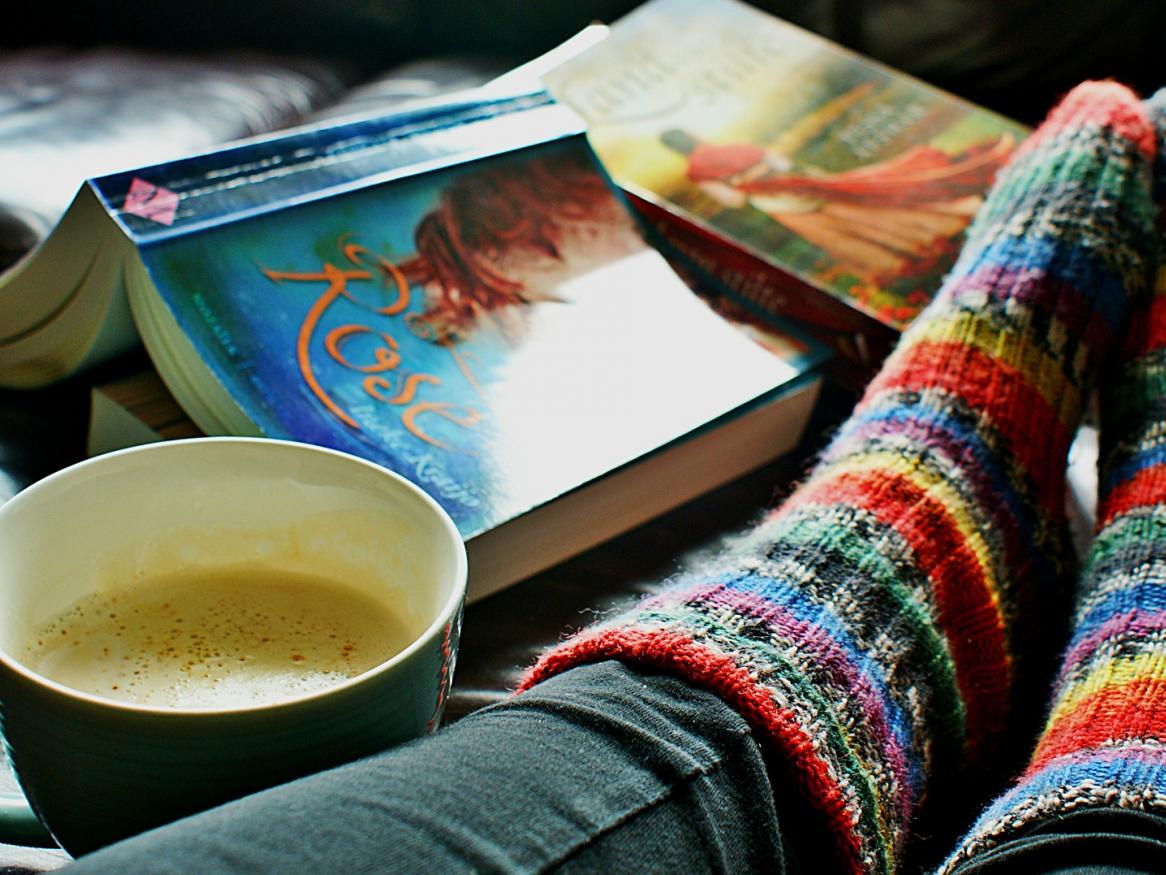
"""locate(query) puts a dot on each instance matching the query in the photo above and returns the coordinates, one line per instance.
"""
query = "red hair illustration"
(486, 220)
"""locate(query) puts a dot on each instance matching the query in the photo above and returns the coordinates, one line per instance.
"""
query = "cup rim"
(445, 615)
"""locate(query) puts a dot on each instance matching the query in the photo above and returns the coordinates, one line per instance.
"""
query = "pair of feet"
(902, 616)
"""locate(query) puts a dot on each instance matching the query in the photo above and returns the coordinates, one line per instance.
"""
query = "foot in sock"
(1104, 742)
(872, 628)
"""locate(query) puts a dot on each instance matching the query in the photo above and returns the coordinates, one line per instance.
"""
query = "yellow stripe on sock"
(1017, 350)
(1106, 673)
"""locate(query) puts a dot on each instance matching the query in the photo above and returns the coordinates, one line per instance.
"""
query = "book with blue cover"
(458, 293)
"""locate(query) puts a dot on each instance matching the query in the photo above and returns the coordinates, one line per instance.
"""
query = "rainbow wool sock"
(1104, 743)
(871, 629)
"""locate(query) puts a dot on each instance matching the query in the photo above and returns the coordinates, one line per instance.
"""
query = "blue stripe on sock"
(1079, 268)
(805, 610)
(935, 417)
(1148, 596)
(1119, 771)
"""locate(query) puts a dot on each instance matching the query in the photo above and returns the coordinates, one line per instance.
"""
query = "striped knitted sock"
(870, 628)
(1104, 742)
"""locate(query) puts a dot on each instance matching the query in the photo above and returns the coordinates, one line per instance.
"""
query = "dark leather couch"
(1012, 55)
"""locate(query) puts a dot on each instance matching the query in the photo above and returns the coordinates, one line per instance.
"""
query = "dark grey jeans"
(603, 769)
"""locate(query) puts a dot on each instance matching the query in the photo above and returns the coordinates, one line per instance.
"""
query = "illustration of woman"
(882, 221)
(475, 250)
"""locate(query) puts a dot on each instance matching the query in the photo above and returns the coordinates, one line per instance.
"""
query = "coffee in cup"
(228, 638)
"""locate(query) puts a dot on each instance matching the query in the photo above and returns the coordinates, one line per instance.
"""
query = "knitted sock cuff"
(1128, 775)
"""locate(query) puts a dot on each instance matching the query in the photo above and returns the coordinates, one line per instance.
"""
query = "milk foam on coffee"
(216, 640)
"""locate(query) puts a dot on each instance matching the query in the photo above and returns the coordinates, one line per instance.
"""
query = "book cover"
(810, 181)
(460, 296)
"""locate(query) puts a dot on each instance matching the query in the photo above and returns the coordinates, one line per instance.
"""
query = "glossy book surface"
(492, 327)
(852, 177)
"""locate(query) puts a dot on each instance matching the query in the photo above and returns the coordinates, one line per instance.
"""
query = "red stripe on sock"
(972, 624)
(1146, 488)
(719, 674)
(1029, 424)
(1133, 710)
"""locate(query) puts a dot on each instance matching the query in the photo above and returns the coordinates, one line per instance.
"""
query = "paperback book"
(457, 292)
(811, 182)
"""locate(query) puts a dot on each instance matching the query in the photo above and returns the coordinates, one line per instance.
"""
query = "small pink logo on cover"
(151, 202)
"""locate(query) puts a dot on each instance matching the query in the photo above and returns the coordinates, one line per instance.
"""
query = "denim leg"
(601, 769)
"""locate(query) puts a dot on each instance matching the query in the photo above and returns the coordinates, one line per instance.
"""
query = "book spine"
(153, 204)
(768, 290)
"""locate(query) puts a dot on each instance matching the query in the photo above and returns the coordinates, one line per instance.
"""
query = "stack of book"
(562, 303)
(455, 291)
